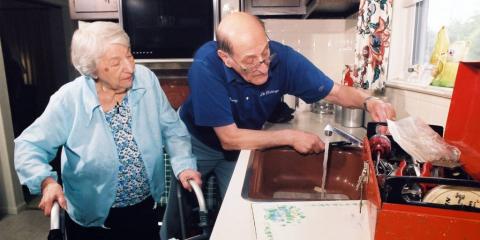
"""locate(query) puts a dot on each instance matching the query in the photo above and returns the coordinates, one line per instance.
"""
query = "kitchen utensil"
(380, 146)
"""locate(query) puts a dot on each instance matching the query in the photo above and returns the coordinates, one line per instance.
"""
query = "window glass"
(461, 19)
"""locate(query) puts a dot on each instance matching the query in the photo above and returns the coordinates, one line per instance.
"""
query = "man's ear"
(225, 58)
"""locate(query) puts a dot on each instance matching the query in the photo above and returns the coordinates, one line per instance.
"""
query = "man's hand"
(355, 98)
(52, 192)
(188, 174)
(380, 110)
(304, 142)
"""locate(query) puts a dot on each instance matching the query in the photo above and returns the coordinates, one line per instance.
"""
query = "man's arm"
(356, 98)
(234, 138)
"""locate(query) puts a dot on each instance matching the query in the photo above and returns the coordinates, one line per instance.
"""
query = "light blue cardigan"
(89, 164)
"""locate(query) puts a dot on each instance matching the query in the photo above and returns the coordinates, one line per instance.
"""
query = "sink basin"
(280, 174)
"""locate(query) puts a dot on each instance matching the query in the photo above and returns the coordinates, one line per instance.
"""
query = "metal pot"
(338, 113)
(352, 117)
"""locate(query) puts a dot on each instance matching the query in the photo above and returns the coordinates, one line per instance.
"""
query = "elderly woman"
(112, 123)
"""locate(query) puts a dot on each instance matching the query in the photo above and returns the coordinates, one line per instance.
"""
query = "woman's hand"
(52, 192)
(188, 174)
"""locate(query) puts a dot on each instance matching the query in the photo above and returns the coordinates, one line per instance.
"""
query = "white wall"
(432, 109)
(329, 44)
(11, 196)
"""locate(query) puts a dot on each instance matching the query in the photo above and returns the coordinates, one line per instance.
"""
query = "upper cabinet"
(277, 7)
(301, 8)
(93, 9)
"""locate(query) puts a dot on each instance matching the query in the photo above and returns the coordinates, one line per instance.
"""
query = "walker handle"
(55, 216)
(199, 194)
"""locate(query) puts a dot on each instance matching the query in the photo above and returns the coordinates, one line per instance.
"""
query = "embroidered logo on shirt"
(268, 92)
(233, 100)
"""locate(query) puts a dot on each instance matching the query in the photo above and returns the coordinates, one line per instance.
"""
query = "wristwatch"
(367, 99)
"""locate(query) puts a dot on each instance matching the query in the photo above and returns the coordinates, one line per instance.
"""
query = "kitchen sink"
(282, 174)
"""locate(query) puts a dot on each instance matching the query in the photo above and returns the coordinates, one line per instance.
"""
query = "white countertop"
(236, 219)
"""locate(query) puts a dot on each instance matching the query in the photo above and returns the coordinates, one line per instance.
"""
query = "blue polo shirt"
(219, 96)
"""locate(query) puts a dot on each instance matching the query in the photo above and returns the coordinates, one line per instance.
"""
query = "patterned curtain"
(372, 45)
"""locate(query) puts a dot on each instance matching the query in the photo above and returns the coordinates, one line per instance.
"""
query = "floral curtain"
(372, 44)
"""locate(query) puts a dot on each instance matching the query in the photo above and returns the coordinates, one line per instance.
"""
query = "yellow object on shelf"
(440, 48)
(447, 72)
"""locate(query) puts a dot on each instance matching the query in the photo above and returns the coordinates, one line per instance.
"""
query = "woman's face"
(115, 68)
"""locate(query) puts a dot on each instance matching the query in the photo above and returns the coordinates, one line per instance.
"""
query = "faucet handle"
(328, 130)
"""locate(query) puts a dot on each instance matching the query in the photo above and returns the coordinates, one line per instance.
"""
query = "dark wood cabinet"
(176, 90)
(173, 78)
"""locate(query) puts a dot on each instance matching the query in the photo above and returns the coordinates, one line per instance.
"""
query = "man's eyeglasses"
(248, 68)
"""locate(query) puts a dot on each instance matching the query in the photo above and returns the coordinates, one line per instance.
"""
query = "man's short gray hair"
(89, 43)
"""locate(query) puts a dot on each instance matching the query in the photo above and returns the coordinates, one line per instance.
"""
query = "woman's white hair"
(90, 41)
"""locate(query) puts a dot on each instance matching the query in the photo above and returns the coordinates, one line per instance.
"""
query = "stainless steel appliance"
(168, 29)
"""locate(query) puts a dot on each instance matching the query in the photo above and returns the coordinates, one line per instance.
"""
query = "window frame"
(404, 42)
(420, 32)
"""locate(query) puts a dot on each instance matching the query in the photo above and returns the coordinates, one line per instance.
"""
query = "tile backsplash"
(431, 109)
(329, 44)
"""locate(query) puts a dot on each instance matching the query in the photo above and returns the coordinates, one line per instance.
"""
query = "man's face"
(252, 61)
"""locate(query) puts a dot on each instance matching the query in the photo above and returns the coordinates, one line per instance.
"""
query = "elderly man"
(236, 83)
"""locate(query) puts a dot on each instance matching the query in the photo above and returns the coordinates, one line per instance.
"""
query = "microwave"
(168, 29)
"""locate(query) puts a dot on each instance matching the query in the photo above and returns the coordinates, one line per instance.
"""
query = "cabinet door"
(95, 5)
(84, 6)
(278, 7)
(93, 9)
(106, 5)
(275, 3)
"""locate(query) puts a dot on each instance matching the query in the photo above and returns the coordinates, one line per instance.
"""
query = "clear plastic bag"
(422, 143)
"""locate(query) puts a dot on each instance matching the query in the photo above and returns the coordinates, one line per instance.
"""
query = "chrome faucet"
(329, 130)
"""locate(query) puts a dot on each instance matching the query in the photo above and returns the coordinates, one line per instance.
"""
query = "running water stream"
(324, 172)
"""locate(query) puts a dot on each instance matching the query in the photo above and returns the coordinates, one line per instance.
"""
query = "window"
(461, 19)
(414, 31)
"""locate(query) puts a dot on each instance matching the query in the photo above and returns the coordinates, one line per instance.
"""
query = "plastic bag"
(422, 143)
